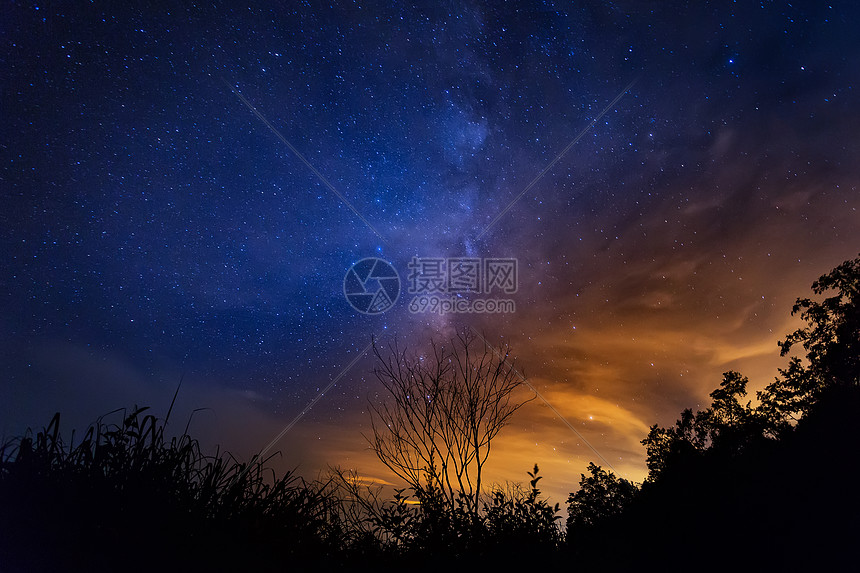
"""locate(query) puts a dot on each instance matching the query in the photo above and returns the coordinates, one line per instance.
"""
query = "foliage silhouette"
(512, 526)
(601, 496)
(518, 517)
(758, 486)
(831, 339)
(766, 485)
(727, 425)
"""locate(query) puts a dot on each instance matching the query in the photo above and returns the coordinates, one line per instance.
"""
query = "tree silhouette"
(601, 495)
(831, 339)
(773, 474)
(728, 424)
(443, 411)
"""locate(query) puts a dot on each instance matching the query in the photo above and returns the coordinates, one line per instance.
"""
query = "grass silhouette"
(128, 497)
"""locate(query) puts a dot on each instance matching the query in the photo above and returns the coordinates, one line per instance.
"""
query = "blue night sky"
(153, 227)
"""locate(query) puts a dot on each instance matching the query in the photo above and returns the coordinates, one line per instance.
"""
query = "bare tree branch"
(444, 409)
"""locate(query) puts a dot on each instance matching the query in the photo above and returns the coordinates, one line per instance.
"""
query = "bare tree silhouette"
(444, 410)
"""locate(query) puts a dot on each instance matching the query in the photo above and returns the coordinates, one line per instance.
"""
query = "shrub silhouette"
(518, 517)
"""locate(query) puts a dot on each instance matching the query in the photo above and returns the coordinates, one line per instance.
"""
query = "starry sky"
(184, 189)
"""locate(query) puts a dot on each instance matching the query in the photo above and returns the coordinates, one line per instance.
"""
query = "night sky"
(154, 228)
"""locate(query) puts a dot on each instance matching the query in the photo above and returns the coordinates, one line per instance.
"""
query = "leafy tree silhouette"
(767, 486)
(601, 496)
(831, 339)
(728, 424)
